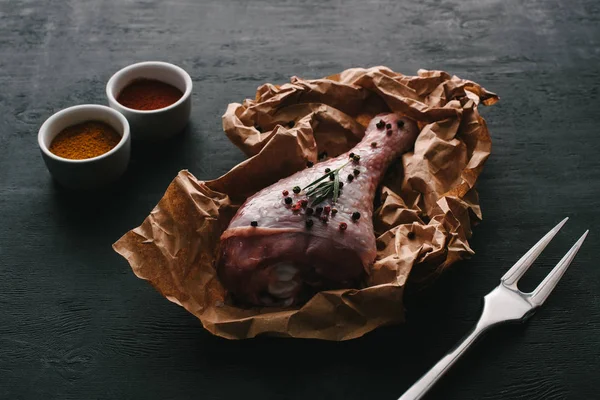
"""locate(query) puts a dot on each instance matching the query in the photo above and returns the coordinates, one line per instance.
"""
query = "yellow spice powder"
(86, 140)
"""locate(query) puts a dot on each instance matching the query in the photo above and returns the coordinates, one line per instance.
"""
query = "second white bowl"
(153, 124)
(89, 173)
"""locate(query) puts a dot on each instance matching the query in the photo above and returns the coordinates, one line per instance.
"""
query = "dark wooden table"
(76, 324)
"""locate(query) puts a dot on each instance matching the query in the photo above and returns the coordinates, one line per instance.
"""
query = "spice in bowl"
(85, 140)
(149, 94)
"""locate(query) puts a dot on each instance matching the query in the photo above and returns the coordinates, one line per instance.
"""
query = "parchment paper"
(425, 207)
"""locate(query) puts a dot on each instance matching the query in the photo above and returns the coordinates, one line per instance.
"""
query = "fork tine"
(512, 276)
(541, 293)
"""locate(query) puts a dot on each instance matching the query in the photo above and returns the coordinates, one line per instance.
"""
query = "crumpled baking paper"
(426, 205)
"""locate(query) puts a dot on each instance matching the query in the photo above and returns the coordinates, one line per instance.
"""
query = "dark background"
(76, 324)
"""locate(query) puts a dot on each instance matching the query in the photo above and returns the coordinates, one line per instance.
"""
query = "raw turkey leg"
(280, 247)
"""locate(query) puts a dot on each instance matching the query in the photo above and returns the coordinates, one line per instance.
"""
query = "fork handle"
(419, 388)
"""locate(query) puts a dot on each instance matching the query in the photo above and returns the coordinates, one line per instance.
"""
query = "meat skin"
(281, 260)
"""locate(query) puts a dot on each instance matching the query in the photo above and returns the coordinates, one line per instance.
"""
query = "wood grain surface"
(76, 324)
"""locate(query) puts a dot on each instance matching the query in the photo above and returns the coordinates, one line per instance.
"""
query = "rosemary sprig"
(320, 190)
(316, 188)
(322, 196)
(335, 171)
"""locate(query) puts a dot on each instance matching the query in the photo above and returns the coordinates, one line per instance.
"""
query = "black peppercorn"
(356, 172)
(351, 155)
(400, 124)
(410, 235)
(309, 223)
(296, 189)
(319, 210)
(341, 184)
(309, 211)
(331, 177)
(327, 170)
(254, 223)
(333, 211)
(388, 126)
(356, 158)
(288, 200)
(380, 124)
(373, 144)
(355, 215)
(309, 164)
(350, 177)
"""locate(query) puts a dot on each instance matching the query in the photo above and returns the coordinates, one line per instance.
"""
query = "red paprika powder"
(148, 94)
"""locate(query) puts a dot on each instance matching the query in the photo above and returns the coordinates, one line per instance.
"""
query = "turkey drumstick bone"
(293, 235)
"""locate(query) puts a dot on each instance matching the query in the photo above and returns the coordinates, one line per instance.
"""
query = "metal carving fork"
(506, 303)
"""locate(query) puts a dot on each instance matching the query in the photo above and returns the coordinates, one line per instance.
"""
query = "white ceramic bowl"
(153, 125)
(91, 172)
